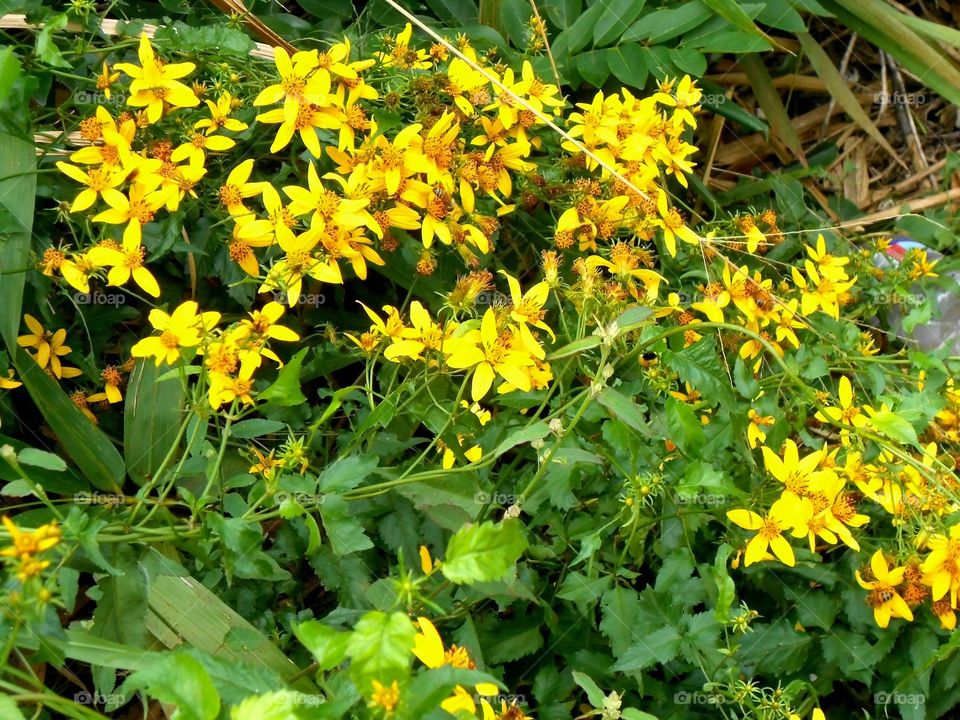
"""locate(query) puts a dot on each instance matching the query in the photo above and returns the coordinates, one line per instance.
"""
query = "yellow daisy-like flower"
(385, 697)
(25, 543)
(220, 116)
(136, 210)
(783, 515)
(156, 83)
(105, 79)
(238, 187)
(99, 182)
(183, 328)
(49, 346)
(883, 598)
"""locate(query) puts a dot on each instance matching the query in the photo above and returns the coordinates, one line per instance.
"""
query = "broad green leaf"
(10, 70)
(91, 450)
(659, 646)
(41, 459)
(327, 645)
(700, 366)
(515, 21)
(47, 50)
(627, 62)
(617, 15)
(180, 680)
(689, 60)
(562, 13)
(634, 714)
(894, 426)
(9, 709)
(592, 65)
(257, 427)
(537, 431)
(243, 555)
(18, 185)
(121, 609)
(286, 390)
(346, 473)
(343, 529)
(279, 705)
(484, 552)
(380, 647)
(662, 25)
(151, 418)
(578, 36)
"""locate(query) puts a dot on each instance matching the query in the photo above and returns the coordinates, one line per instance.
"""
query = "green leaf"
(659, 646)
(578, 36)
(178, 679)
(716, 100)
(344, 530)
(9, 709)
(484, 553)
(619, 608)
(286, 390)
(595, 695)
(624, 409)
(18, 185)
(434, 686)
(575, 348)
(769, 100)
(894, 426)
(151, 419)
(514, 20)
(617, 15)
(689, 60)
(327, 645)
(634, 714)
(700, 366)
(593, 67)
(627, 62)
(10, 70)
(122, 607)
(47, 50)
(683, 427)
(561, 13)
(662, 25)
(346, 473)
(87, 446)
(537, 431)
(380, 647)
(731, 11)
(242, 553)
(41, 459)
(324, 9)
(279, 705)
(257, 427)
(455, 12)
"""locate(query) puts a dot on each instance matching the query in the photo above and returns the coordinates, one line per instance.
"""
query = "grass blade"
(772, 106)
(842, 93)
(18, 187)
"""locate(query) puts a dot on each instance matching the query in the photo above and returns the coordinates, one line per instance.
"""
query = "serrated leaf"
(894, 426)
(343, 529)
(346, 473)
(484, 553)
(624, 409)
(683, 427)
(595, 696)
(179, 680)
(659, 646)
(380, 646)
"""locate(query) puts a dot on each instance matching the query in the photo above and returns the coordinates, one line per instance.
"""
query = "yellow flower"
(755, 433)
(883, 598)
(941, 568)
(673, 226)
(8, 383)
(427, 563)
(49, 346)
(846, 414)
(220, 117)
(29, 542)
(237, 187)
(182, 329)
(384, 697)
(827, 264)
(194, 151)
(794, 472)
(112, 379)
(296, 85)
(784, 514)
(101, 182)
(136, 210)
(428, 648)
(227, 388)
(820, 291)
(329, 207)
(105, 79)
(316, 110)
(490, 353)
(156, 83)
(527, 307)
(125, 263)
(114, 150)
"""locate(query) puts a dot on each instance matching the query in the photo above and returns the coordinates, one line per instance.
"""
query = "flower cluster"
(26, 546)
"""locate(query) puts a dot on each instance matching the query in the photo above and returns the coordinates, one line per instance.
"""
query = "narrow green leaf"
(18, 187)
(258, 427)
(769, 100)
(595, 696)
(152, 415)
(41, 459)
(842, 93)
(515, 21)
(537, 431)
(731, 11)
(91, 450)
